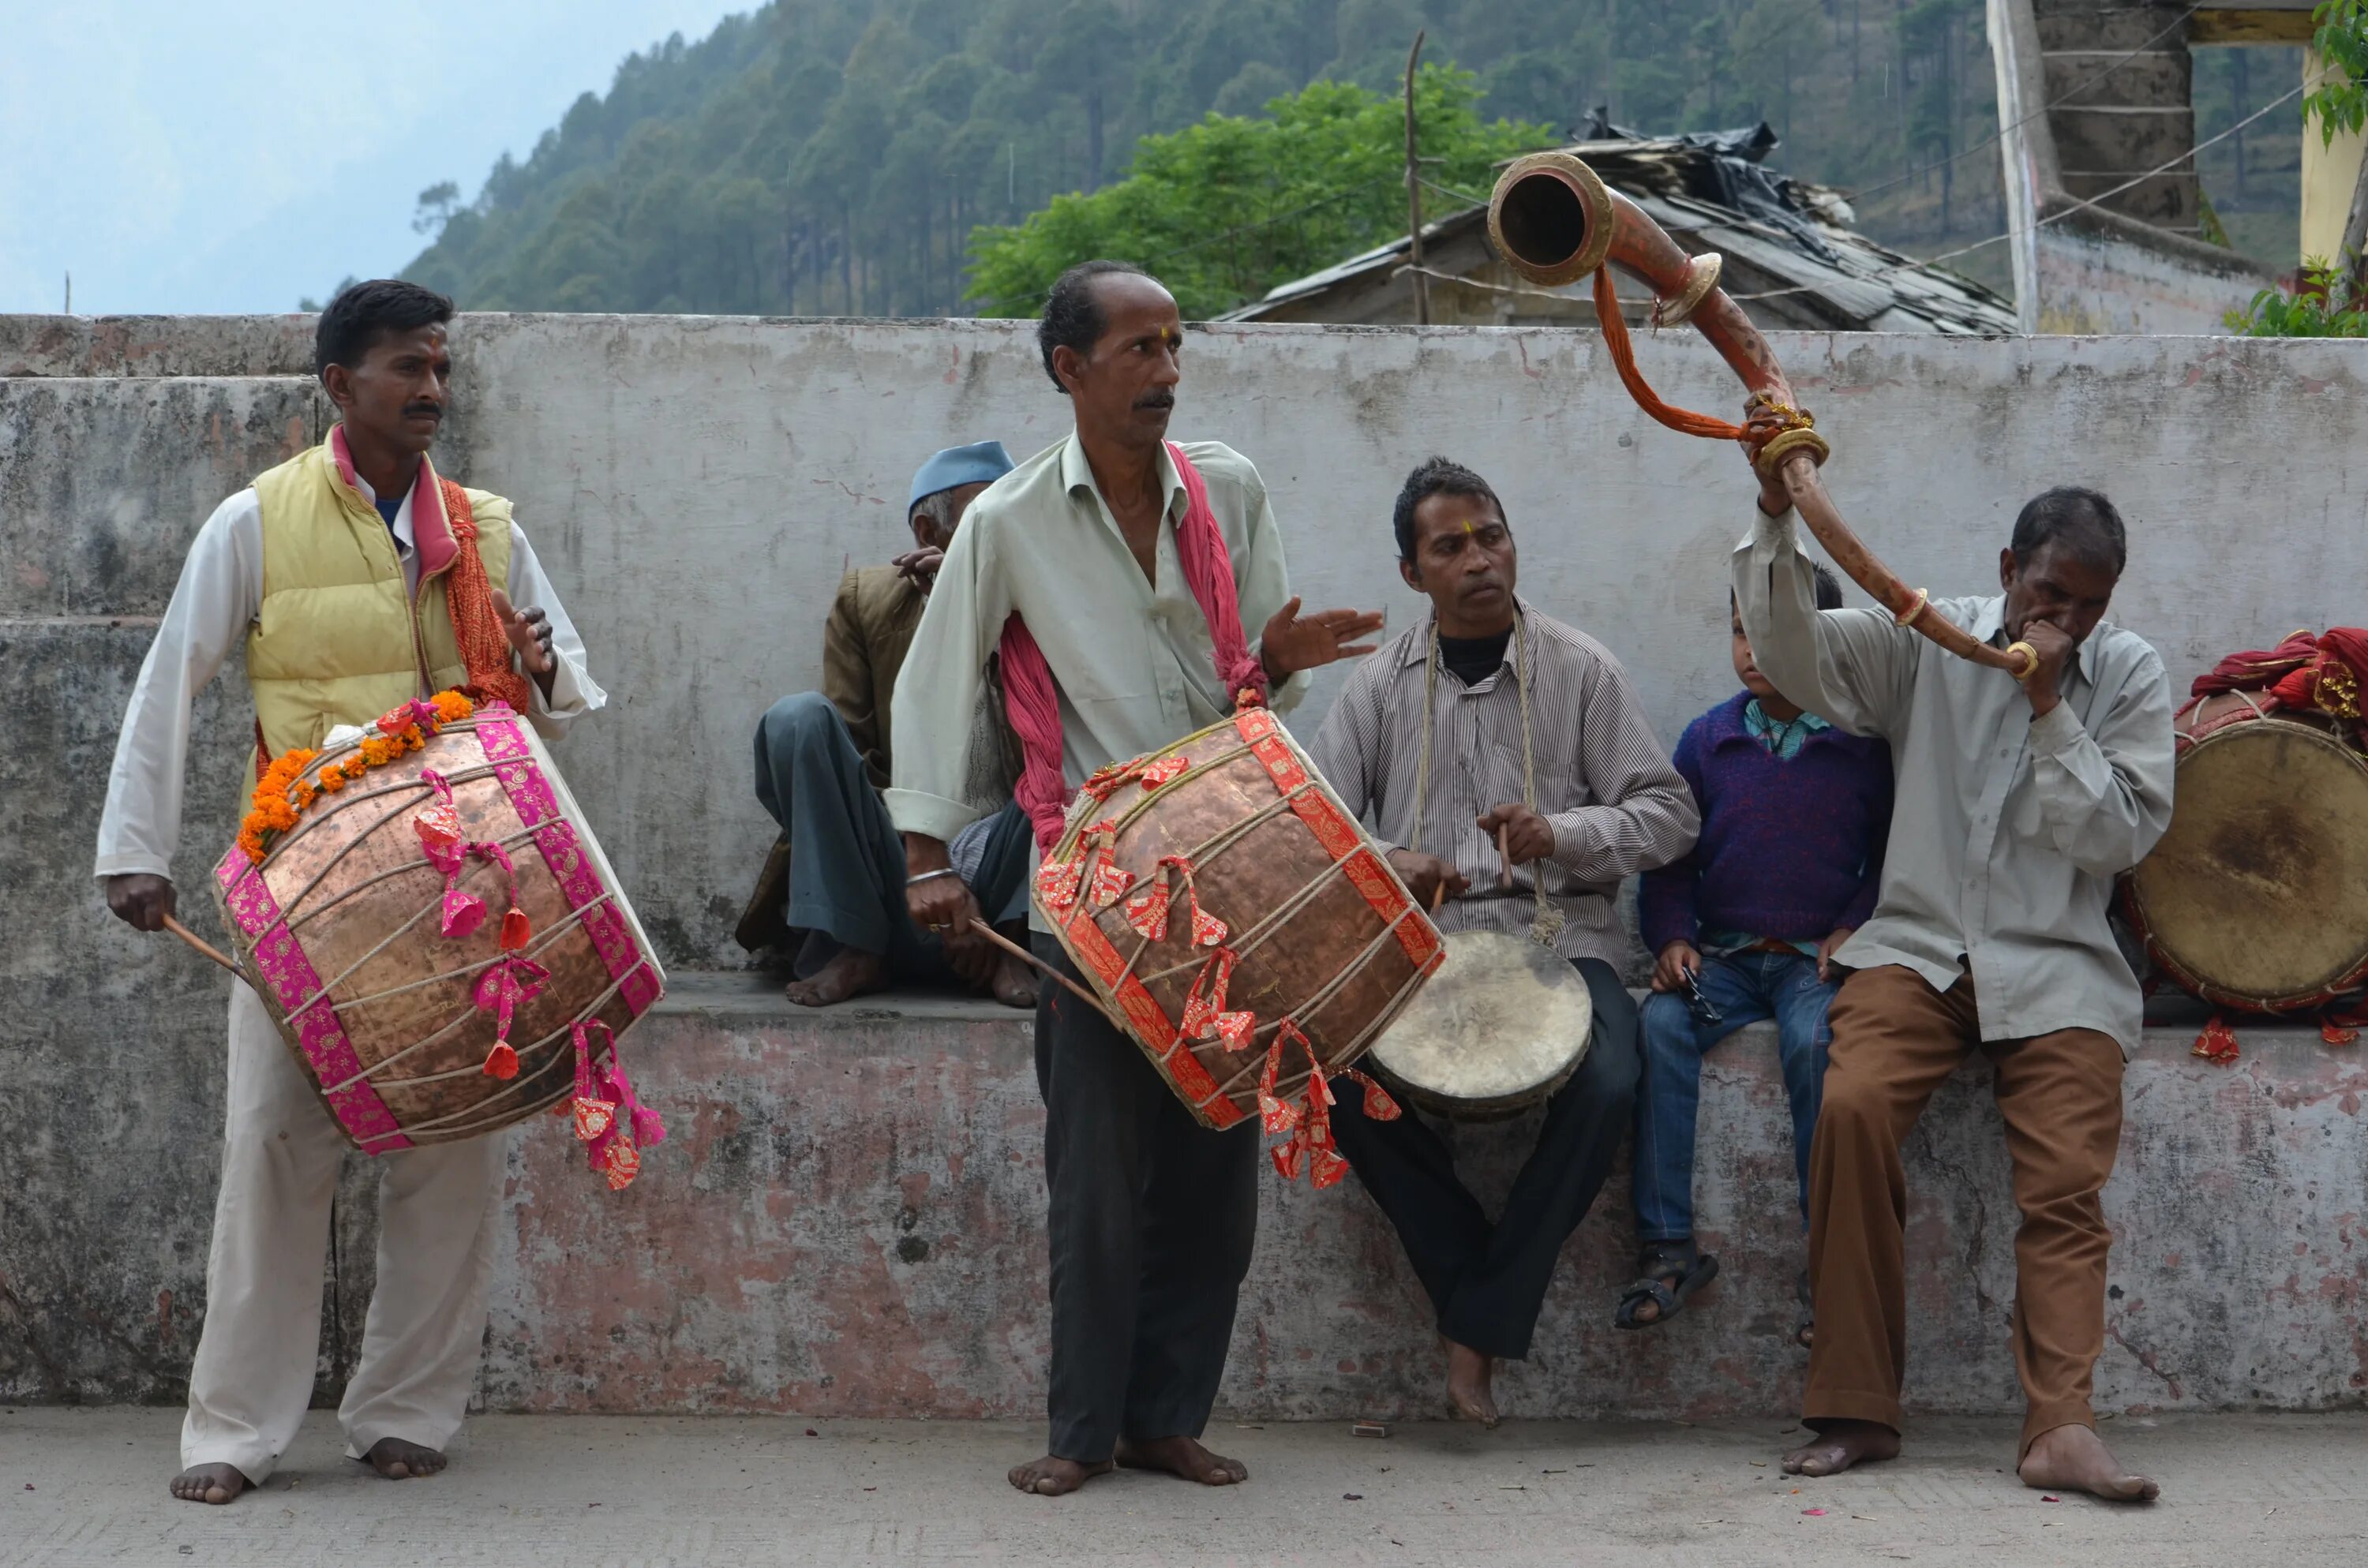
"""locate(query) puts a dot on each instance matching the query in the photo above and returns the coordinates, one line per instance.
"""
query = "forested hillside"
(834, 156)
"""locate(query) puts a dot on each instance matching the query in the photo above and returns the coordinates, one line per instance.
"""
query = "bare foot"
(1842, 1445)
(398, 1461)
(850, 972)
(1468, 1372)
(1049, 1477)
(209, 1483)
(1015, 983)
(2073, 1458)
(1184, 1457)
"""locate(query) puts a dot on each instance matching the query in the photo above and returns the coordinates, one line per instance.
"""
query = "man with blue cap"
(836, 878)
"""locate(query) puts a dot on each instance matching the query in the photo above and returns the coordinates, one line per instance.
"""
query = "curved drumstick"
(1555, 221)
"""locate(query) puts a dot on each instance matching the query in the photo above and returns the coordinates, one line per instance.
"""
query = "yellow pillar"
(2328, 173)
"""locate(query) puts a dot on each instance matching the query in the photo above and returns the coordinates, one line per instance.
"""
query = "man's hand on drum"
(1292, 641)
(943, 906)
(1677, 961)
(140, 899)
(2054, 645)
(1426, 875)
(1528, 836)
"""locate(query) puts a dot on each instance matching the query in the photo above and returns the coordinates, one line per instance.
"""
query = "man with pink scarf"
(1113, 576)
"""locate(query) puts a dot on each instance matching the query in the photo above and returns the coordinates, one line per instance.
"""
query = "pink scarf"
(1034, 703)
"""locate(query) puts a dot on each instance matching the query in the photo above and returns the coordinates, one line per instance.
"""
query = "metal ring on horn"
(1565, 232)
(1701, 276)
(1800, 438)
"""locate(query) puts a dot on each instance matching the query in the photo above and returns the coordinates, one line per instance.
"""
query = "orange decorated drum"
(1221, 901)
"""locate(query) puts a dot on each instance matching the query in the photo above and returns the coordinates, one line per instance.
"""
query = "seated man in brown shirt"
(834, 883)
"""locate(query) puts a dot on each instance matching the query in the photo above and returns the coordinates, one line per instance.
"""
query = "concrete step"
(848, 1219)
(2160, 76)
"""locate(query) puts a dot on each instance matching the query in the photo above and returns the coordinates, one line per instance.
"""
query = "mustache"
(432, 410)
(1155, 400)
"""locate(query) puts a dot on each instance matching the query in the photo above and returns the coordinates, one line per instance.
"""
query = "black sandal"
(1657, 1266)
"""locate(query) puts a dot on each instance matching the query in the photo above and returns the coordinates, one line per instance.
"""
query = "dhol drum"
(1239, 922)
(1503, 1024)
(431, 922)
(2257, 897)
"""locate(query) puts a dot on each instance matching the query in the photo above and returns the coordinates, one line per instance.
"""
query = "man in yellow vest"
(357, 581)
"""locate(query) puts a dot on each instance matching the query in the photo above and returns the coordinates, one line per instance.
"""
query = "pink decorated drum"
(431, 922)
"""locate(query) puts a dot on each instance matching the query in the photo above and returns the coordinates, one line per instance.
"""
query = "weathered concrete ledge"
(847, 1220)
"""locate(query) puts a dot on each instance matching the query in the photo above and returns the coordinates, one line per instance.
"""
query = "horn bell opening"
(1551, 218)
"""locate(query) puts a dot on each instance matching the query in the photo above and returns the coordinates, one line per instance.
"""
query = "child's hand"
(1834, 939)
(1676, 961)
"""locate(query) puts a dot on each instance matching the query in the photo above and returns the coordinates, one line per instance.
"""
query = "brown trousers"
(1895, 1041)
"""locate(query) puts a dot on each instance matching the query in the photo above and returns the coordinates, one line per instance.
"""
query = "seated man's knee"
(1853, 1105)
(802, 720)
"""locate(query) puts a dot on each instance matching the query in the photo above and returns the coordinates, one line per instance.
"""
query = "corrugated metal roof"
(1854, 285)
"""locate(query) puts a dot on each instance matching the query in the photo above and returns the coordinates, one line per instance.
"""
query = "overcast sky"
(239, 154)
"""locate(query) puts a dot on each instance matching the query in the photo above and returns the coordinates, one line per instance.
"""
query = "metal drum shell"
(1351, 931)
(349, 894)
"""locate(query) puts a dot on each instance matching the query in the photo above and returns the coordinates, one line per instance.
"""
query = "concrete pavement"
(87, 1486)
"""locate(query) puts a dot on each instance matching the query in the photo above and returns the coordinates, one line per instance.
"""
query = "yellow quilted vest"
(339, 639)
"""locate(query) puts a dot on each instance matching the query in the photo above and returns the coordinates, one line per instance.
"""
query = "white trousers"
(426, 1330)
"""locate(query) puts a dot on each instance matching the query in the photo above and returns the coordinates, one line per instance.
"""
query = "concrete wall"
(696, 487)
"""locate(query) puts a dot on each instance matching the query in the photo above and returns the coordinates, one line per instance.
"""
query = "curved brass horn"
(1555, 221)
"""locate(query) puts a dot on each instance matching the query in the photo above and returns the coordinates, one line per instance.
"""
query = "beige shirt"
(1132, 657)
(2008, 831)
(1602, 779)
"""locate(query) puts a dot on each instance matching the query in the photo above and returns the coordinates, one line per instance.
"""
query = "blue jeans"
(1745, 988)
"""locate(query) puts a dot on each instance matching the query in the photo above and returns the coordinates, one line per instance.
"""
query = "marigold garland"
(282, 794)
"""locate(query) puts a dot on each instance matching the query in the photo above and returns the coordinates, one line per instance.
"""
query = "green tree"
(1227, 208)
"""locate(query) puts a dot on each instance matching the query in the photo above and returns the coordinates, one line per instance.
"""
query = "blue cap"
(982, 462)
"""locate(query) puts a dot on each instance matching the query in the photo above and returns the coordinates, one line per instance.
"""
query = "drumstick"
(198, 942)
(1504, 855)
(1024, 956)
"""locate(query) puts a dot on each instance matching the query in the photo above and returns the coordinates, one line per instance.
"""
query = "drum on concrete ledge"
(428, 918)
(2257, 897)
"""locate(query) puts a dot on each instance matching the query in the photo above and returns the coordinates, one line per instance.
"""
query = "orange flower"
(332, 779)
(303, 794)
(412, 739)
(451, 707)
(377, 752)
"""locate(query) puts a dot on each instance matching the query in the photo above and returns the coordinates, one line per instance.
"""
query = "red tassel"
(2218, 1043)
(501, 1061)
(517, 930)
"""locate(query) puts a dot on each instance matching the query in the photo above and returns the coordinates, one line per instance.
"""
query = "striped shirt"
(1616, 804)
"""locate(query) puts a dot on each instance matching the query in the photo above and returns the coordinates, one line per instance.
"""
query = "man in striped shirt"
(1528, 729)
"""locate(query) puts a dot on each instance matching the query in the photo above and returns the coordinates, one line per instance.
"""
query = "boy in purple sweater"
(1794, 815)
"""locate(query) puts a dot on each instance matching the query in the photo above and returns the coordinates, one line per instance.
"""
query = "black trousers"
(1488, 1281)
(1152, 1216)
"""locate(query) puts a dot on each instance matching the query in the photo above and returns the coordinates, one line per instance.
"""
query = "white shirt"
(217, 597)
(2008, 830)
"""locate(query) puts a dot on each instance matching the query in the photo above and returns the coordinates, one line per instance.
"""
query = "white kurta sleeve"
(573, 692)
(219, 593)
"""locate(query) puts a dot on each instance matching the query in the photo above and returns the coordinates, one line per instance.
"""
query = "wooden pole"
(1414, 194)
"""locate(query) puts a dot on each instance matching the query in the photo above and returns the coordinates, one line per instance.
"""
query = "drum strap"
(1550, 921)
